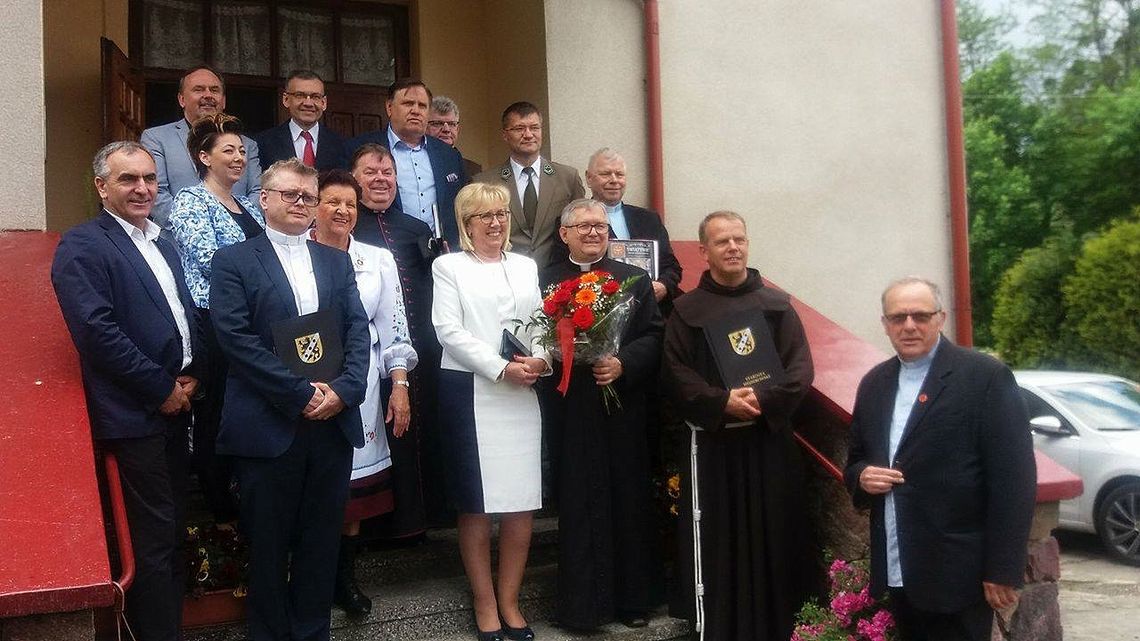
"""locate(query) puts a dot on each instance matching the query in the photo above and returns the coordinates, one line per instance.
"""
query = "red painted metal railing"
(122, 529)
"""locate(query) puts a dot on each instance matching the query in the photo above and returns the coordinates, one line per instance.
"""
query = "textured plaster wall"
(596, 74)
(22, 144)
(822, 123)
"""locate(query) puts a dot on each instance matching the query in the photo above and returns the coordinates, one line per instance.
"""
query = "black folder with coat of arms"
(311, 345)
(744, 351)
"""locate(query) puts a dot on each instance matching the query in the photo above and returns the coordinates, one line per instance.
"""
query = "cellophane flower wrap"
(851, 614)
(582, 319)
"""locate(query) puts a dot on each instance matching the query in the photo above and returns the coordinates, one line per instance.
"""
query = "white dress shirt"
(299, 142)
(520, 177)
(144, 240)
(293, 252)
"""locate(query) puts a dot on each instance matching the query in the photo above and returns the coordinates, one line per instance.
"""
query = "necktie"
(310, 157)
(530, 198)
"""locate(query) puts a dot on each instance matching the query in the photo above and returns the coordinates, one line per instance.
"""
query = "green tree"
(980, 35)
(1102, 300)
(1028, 309)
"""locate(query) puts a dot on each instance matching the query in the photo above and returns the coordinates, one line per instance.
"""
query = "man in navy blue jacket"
(429, 171)
(123, 295)
(291, 437)
(303, 136)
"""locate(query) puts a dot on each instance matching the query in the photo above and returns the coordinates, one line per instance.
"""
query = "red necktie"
(310, 158)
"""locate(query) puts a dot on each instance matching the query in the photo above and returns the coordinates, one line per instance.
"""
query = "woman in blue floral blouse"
(206, 217)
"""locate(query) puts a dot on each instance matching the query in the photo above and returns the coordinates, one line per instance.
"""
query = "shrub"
(1028, 307)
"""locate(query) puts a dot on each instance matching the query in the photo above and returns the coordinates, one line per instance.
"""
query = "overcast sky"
(1021, 12)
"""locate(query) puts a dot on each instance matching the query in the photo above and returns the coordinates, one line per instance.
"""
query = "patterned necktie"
(530, 198)
(309, 157)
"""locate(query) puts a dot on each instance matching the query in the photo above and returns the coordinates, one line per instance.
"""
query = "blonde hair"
(479, 198)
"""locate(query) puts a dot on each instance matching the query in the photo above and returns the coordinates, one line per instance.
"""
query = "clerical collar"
(922, 361)
(585, 267)
(281, 238)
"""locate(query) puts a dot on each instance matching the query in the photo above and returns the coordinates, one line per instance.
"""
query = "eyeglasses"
(301, 95)
(610, 175)
(444, 124)
(499, 216)
(292, 197)
(519, 129)
(584, 229)
(920, 318)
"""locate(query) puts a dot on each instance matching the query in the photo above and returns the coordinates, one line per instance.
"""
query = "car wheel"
(1118, 522)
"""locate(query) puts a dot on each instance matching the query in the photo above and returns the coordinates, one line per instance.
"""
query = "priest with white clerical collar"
(608, 568)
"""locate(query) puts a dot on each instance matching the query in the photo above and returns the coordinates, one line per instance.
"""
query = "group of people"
(222, 270)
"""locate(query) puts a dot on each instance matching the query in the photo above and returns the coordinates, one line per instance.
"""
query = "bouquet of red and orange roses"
(582, 319)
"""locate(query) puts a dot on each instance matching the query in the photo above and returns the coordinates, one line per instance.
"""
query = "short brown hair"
(368, 149)
(204, 134)
(337, 177)
(182, 80)
(402, 84)
(522, 109)
(292, 165)
(703, 236)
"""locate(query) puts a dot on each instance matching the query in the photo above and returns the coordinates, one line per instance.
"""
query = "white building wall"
(22, 139)
(820, 122)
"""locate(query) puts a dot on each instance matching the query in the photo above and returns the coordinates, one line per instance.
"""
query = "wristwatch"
(404, 383)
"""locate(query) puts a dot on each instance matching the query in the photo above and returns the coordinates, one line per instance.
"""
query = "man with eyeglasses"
(429, 172)
(941, 452)
(443, 123)
(281, 298)
(608, 558)
(201, 92)
(539, 188)
(749, 472)
(303, 136)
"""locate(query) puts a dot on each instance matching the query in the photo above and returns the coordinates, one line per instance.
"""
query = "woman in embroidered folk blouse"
(370, 492)
(204, 218)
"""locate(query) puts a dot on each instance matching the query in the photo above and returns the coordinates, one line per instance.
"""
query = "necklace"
(486, 261)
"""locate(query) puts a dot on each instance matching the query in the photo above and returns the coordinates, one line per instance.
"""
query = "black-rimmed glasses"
(290, 197)
(487, 218)
(920, 318)
(584, 229)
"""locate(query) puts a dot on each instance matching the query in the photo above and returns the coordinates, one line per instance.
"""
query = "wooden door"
(355, 110)
(123, 95)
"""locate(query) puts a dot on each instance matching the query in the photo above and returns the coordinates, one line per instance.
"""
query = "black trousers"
(153, 472)
(973, 623)
(292, 509)
(214, 471)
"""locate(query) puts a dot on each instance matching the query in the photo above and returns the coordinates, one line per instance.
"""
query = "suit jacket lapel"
(928, 394)
(322, 274)
(183, 131)
(276, 273)
(518, 221)
(547, 185)
(142, 269)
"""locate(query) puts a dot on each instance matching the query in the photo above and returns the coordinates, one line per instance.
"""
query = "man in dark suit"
(940, 450)
(539, 188)
(606, 178)
(429, 171)
(291, 437)
(123, 295)
(201, 92)
(303, 135)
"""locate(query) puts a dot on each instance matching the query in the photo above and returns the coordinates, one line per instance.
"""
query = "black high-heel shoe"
(524, 633)
(493, 635)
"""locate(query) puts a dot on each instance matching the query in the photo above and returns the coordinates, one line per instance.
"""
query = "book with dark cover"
(511, 346)
(311, 345)
(744, 351)
(639, 253)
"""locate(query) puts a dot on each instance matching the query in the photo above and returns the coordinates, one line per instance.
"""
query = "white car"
(1090, 424)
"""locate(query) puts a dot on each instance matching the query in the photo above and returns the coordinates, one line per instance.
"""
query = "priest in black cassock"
(750, 474)
(417, 487)
(607, 563)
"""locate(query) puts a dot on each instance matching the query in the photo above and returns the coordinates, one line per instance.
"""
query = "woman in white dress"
(370, 491)
(489, 418)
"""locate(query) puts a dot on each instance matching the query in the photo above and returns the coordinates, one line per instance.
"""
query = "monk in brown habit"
(750, 542)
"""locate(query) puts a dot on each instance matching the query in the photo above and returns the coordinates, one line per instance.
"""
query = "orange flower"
(589, 277)
(585, 296)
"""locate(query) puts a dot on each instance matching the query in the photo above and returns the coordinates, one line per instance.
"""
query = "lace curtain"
(305, 41)
(369, 56)
(172, 31)
(241, 37)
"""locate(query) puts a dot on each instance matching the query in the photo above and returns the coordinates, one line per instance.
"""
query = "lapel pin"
(452, 178)
(505, 173)
(547, 169)
(922, 398)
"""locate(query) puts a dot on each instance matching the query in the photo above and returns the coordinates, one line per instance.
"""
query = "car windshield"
(1104, 405)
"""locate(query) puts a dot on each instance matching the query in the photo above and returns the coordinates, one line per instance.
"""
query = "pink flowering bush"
(851, 614)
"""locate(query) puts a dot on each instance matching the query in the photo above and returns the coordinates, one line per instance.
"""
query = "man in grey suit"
(201, 92)
(539, 188)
